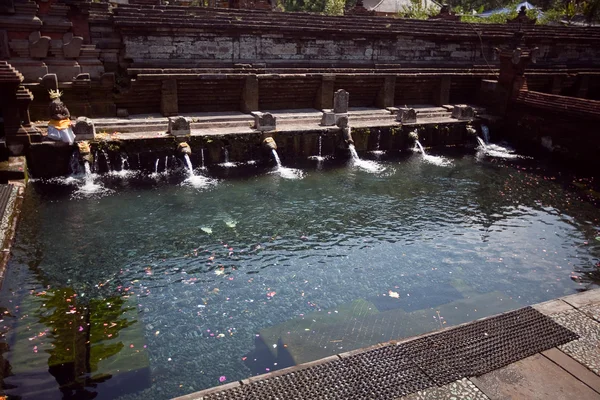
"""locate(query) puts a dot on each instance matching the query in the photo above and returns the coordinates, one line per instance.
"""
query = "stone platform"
(144, 126)
(465, 362)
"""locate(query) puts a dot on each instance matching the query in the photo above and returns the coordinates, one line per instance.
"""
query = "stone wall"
(192, 36)
(207, 48)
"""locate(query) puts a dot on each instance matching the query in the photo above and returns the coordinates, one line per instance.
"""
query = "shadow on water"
(268, 358)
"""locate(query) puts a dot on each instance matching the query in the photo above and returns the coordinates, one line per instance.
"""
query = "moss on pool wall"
(47, 160)
(564, 139)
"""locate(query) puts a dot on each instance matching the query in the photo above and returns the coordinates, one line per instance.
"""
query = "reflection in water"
(80, 343)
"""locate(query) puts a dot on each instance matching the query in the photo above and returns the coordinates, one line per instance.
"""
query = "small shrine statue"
(59, 126)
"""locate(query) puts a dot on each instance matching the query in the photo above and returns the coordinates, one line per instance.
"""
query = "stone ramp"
(393, 370)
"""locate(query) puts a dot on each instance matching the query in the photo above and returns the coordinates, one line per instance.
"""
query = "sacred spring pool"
(155, 288)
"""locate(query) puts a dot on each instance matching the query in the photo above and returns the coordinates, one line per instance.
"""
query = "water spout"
(226, 163)
(482, 144)
(107, 159)
(184, 148)
(188, 163)
(319, 157)
(284, 172)
(436, 160)
(269, 143)
(367, 165)
(485, 131)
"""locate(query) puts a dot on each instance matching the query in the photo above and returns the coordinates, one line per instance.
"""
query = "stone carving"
(71, 45)
(179, 126)
(463, 112)
(264, 121)
(84, 129)
(340, 101)
(38, 45)
(406, 115)
(342, 121)
(50, 82)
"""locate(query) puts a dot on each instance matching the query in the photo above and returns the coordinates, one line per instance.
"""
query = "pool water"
(156, 288)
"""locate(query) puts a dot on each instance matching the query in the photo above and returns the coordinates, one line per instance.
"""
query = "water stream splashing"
(485, 131)
(435, 160)
(284, 172)
(156, 166)
(226, 163)
(367, 165)
(377, 152)
(481, 143)
(107, 159)
(319, 157)
(89, 188)
(196, 181)
(202, 158)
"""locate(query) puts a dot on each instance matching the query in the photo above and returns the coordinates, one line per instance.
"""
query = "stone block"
(328, 118)
(4, 49)
(463, 112)
(50, 82)
(340, 101)
(84, 129)
(107, 80)
(7, 7)
(122, 113)
(38, 45)
(82, 77)
(406, 115)
(71, 45)
(93, 67)
(264, 121)
(65, 70)
(179, 126)
(169, 103)
(32, 70)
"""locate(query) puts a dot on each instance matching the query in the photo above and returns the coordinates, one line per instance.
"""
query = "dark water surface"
(157, 290)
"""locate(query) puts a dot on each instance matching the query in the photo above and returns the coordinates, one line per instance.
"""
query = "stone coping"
(579, 301)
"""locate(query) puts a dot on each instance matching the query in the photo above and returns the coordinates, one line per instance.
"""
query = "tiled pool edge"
(8, 224)
(581, 305)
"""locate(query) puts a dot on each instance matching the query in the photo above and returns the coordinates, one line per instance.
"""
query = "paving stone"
(462, 389)
(583, 299)
(574, 368)
(553, 307)
(533, 378)
(592, 311)
(586, 349)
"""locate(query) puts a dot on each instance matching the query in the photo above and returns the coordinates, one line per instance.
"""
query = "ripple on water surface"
(166, 290)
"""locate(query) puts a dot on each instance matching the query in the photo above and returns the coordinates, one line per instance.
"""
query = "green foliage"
(418, 10)
(334, 7)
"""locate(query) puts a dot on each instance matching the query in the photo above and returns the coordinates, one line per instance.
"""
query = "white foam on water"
(199, 181)
(288, 173)
(366, 165)
(437, 160)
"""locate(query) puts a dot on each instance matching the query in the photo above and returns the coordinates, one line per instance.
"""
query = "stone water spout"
(184, 149)
(85, 152)
(269, 143)
(342, 123)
